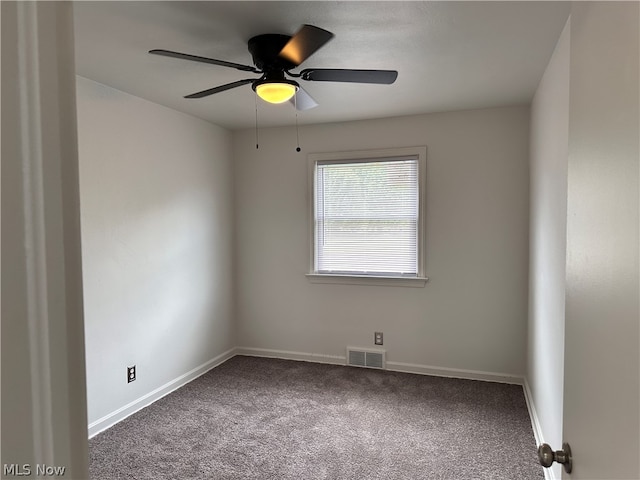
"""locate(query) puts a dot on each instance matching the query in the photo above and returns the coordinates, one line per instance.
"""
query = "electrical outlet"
(131, 374)
(377, 338)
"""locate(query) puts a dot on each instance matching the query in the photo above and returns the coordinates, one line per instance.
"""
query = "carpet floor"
(263, 419)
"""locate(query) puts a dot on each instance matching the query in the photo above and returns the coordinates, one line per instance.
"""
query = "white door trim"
(39, 97)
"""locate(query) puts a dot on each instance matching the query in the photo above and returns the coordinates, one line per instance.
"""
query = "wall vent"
(365, 357)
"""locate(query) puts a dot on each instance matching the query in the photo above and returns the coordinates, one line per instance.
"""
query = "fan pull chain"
(295, 105)
(256, 99)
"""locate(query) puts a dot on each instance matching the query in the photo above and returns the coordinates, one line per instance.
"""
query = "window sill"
(416, 282)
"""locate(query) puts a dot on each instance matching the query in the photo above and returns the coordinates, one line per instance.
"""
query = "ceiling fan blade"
(221, 88)
(304, 43)
(302, 100)
(385, 77)
(195, 58)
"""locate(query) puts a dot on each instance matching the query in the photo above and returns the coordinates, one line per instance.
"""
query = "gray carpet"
(257, 418)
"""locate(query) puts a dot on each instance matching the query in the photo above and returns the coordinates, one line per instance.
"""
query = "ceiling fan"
(274, 56)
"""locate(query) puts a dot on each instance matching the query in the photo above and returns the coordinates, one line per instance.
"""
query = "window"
(367, 217)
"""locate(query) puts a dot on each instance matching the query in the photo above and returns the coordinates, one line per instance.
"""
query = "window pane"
(366, 217)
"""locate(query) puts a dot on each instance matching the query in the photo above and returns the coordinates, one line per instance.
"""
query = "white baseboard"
(535, 424)
(123, 412)
(392, 366)
(289, 355)
(454, 373)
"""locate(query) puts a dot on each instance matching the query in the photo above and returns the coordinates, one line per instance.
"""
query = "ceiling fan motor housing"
(265, 50)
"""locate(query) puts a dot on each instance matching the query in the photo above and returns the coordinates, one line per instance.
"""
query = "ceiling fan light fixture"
(276, 92)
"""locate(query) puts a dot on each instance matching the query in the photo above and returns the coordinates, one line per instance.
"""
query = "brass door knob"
(547, 456)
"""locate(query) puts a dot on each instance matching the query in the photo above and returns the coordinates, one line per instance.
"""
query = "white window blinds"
(366, 217)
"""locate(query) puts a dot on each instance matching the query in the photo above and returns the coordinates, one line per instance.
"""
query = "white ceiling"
(449, 55)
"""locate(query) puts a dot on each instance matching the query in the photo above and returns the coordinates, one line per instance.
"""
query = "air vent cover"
(365, 357)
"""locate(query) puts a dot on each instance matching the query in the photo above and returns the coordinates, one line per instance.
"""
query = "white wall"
(157, 234)
(473, 312)
(549, 143)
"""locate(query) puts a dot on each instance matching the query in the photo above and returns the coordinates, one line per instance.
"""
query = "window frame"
(367, 156)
